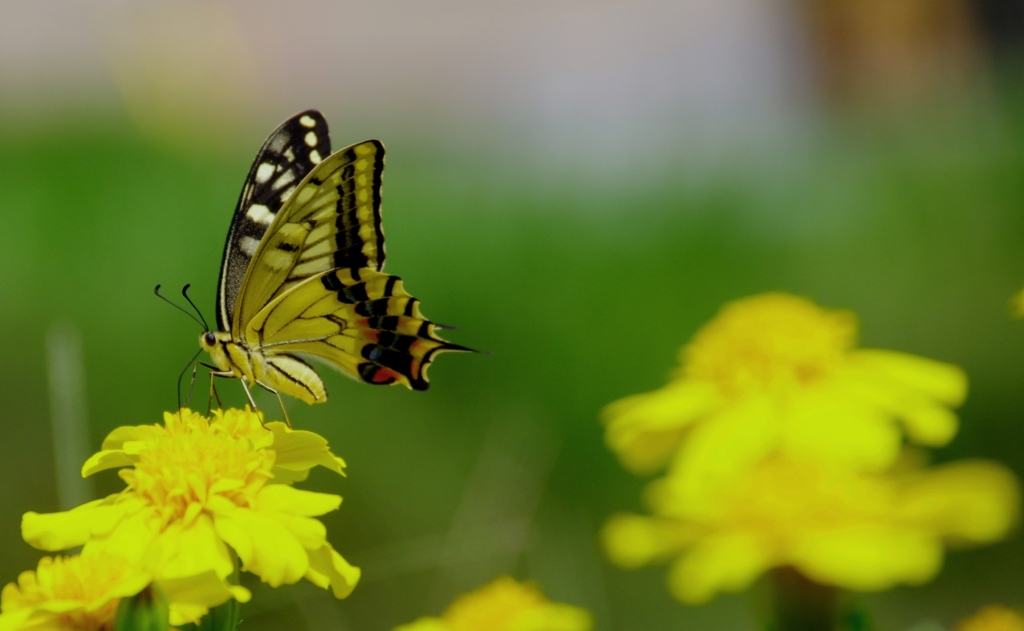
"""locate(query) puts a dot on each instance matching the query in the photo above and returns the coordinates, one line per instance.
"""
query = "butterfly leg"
(191, 384)
(248, 394)
(214, 394)
(214, 372)
(279, 400)
(283, 410)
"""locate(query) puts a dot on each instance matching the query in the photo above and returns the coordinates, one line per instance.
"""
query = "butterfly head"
(208, 340)
(216, 343)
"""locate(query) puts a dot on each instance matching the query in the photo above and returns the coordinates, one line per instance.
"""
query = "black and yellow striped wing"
(291, 152)
(361, 321)
(331, 221)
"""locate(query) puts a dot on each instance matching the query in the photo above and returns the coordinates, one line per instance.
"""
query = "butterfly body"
(285, 374)
(302, 273)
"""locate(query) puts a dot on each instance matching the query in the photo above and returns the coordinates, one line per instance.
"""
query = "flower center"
(73, 579)
(766, 341)
(195, 461)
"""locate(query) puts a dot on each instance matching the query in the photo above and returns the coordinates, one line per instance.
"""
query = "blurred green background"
(577, 186)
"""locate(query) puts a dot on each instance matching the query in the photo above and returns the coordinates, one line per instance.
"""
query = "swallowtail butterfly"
(302, 274)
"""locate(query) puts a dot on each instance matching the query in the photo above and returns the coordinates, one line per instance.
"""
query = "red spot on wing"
(385, 376)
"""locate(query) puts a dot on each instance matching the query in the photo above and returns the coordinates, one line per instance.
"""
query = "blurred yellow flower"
(81, 593)
(200, 487)
(993, 618)
(777, 372)
(505, 605)
(858, 530)
(1017, 304)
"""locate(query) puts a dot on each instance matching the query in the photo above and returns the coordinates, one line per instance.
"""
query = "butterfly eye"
(209, 339)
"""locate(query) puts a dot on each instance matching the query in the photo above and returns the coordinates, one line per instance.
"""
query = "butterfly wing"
(360, 321)
(331, 220)
(286, 158)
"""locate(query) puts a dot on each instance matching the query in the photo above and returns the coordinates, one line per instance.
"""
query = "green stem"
(800, 604)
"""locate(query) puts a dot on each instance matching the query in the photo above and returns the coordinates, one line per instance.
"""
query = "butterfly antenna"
(159, 295)
(184, 292)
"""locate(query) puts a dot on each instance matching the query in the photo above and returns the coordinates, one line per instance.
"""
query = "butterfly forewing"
(332, 220)
(291, 152)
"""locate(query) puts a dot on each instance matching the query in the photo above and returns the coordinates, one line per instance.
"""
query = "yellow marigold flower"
(505, 605)
(993, 618)
(81, 593)
(776, 371)
(863, 531)
(200, 487)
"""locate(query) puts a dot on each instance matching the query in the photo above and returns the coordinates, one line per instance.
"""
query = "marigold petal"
(59, 606)
(117, 438)
(869, 558)
(187, 551)
(135, 447)
(107, 459)
(69, 529)
(969, 501)
(302, 450)
(182, 614)
(718, 452)
(831, 427)
(288, 476)
(327, 567)
(943, 382)
(265, 546)
(134, 581)
(311, 533)
(12, 593)
(644, 429)
(930, 424)
(722, 563)
(132, 536)
(926, 420)
(223, 485)
(192, 596)
(632, 541)
(17, 620)
(285, 499)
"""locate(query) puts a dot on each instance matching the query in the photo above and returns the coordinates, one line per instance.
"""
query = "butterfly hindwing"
(332, 220)
(359, 320)
(291, 152)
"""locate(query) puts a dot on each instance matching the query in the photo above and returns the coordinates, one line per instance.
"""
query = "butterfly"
(302, 274)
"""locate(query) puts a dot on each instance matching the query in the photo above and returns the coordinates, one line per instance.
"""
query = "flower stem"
(800, 604)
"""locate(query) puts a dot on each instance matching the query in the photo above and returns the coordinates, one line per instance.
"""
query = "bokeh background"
(578, 185)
